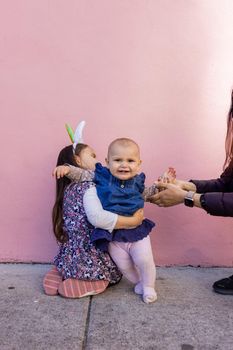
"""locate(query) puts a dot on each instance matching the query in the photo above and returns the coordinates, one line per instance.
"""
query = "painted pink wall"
(159, 71)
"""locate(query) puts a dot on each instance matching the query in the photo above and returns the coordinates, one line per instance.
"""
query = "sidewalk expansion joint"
(87, 324)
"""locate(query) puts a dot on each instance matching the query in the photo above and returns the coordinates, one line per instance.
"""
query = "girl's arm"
(104, 219)
(73, 173)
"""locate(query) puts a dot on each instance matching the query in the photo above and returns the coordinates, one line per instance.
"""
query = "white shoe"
(149, 295)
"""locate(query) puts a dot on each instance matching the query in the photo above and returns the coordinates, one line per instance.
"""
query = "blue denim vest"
(117, 196)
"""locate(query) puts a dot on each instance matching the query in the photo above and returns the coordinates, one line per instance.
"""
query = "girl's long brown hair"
(229, 136)
(66, 156)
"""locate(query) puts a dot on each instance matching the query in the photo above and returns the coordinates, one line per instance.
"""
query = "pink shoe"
(51, 282)
(73, 288)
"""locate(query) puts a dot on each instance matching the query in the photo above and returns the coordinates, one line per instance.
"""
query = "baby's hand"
(169, 176)
(61, 171)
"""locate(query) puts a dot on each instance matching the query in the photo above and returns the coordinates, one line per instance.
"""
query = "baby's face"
(123, 161)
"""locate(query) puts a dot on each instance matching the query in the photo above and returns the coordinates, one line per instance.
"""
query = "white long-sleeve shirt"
(96, 215)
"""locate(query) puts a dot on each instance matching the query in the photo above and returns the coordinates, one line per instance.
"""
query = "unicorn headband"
(76, 137)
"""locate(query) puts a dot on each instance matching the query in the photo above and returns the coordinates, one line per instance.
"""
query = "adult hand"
(169, 195)
(185, 185)
(61, 171)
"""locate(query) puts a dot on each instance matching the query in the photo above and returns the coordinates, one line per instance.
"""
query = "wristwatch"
(188, 199)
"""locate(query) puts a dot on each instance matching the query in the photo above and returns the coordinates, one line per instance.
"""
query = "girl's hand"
(138, 217)
(129, 222)
(61, 171)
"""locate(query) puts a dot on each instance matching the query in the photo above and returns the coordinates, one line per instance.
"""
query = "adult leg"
(119, 252)
(141, 253)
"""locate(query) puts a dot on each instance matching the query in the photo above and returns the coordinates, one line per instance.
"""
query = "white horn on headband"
(78, 134)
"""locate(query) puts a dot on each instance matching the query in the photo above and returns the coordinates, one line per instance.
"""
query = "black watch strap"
(188, 199)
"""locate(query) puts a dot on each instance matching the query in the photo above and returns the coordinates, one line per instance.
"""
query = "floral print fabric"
(78, 258)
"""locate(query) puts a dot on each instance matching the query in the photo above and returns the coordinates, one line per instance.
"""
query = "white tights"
(135, 260)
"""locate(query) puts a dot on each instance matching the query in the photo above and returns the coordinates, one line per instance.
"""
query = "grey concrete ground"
(187, 315)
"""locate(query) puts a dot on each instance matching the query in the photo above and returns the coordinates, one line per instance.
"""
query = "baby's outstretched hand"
(169, 176)
(61, 171)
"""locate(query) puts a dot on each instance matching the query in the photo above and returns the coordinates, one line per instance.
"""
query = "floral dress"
(78, 258)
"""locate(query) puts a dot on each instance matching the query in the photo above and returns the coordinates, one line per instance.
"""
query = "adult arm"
(215, 203)
(169, 176)
(223, 184)
(217, 198)
(171, 194)
(104, 219)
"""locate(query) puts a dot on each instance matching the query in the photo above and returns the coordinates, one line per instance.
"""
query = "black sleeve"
(218, 193)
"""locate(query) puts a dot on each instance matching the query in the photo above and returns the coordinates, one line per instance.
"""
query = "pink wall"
(159, 71)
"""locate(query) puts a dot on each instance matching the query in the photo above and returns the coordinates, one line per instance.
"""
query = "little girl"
(81, 269)
(121, 190)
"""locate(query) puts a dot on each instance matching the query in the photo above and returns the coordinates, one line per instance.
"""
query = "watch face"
(188, 202)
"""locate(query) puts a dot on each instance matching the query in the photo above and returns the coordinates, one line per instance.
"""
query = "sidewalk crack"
(84, 343)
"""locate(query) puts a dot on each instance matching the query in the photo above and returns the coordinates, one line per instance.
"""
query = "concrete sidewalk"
(187, 315)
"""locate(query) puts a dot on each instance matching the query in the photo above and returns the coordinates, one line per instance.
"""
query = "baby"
(121, 190)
